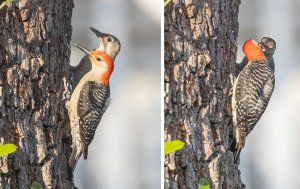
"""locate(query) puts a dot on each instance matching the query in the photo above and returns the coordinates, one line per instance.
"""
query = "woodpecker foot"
(66, 94)
(232, 80)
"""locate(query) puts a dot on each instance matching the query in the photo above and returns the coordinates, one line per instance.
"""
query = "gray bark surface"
(200, 54)
(34, 56)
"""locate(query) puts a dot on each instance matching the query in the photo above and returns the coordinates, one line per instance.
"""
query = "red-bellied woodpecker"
(88, 102)
(107, 43)
(252, 91)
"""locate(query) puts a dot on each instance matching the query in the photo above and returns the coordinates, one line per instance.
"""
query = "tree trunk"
(200, 54)
(34, 56)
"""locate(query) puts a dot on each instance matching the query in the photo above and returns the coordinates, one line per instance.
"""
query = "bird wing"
(254, 98)
(88, 125)
(92, 104)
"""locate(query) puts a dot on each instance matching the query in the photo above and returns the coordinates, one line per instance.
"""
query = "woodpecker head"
(108, 43)
(269, 46)
(102, 64)
(253, 51)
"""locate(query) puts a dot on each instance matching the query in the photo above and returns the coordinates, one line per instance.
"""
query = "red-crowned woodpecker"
(252, 91)
(88, 102)
(107, 43)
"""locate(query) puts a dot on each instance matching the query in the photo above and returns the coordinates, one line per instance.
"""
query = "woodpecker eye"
(98, 59)
(270, 45)
(109, 39)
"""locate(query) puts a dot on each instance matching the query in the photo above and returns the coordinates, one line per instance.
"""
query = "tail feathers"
(238, 144)
(236, 149)
(76, 153)
(85, 151)
(237, 154)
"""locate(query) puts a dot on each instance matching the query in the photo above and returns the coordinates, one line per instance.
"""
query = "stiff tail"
(237, 145)
(237, 154)
(76, 153)
(236, 149)
(85, 151)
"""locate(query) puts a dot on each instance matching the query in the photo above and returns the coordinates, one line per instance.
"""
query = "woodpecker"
(107, 43)
(268, 46)
(88, 102)
(252, 91)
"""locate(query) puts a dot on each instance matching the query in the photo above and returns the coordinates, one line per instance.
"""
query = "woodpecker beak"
(85, 50)
(258, 44)
(254, 42)
(98, 33)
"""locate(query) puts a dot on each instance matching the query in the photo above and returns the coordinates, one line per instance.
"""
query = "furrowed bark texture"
(200, 54)
(34, 56)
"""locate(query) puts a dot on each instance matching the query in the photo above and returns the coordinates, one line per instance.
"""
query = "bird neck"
(104, 78)
(253, 52)
(105, 69)
(256, 56)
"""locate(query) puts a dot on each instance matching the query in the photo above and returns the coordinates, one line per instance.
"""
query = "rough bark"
(200, 54)
(34, 56)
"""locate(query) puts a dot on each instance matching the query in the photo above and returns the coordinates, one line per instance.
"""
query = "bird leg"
(66, 93)
(232, 80)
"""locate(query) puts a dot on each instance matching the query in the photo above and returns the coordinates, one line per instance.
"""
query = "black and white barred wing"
(253, 90)
(93, 102)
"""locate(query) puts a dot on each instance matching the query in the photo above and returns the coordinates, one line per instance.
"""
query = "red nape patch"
(253, 51)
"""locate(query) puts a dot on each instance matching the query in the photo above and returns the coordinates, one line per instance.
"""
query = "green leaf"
(5, 3)
(7, 149)
(203, 184)
(173, 146)
(36, 185)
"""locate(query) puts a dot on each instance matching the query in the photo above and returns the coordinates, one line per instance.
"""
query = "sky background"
(271, 158)
(125, 153)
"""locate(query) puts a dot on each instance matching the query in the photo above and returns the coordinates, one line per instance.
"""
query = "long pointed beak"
(253, 41)
(261, 45)
(85, 50)
(258, 44)
(98, 33)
